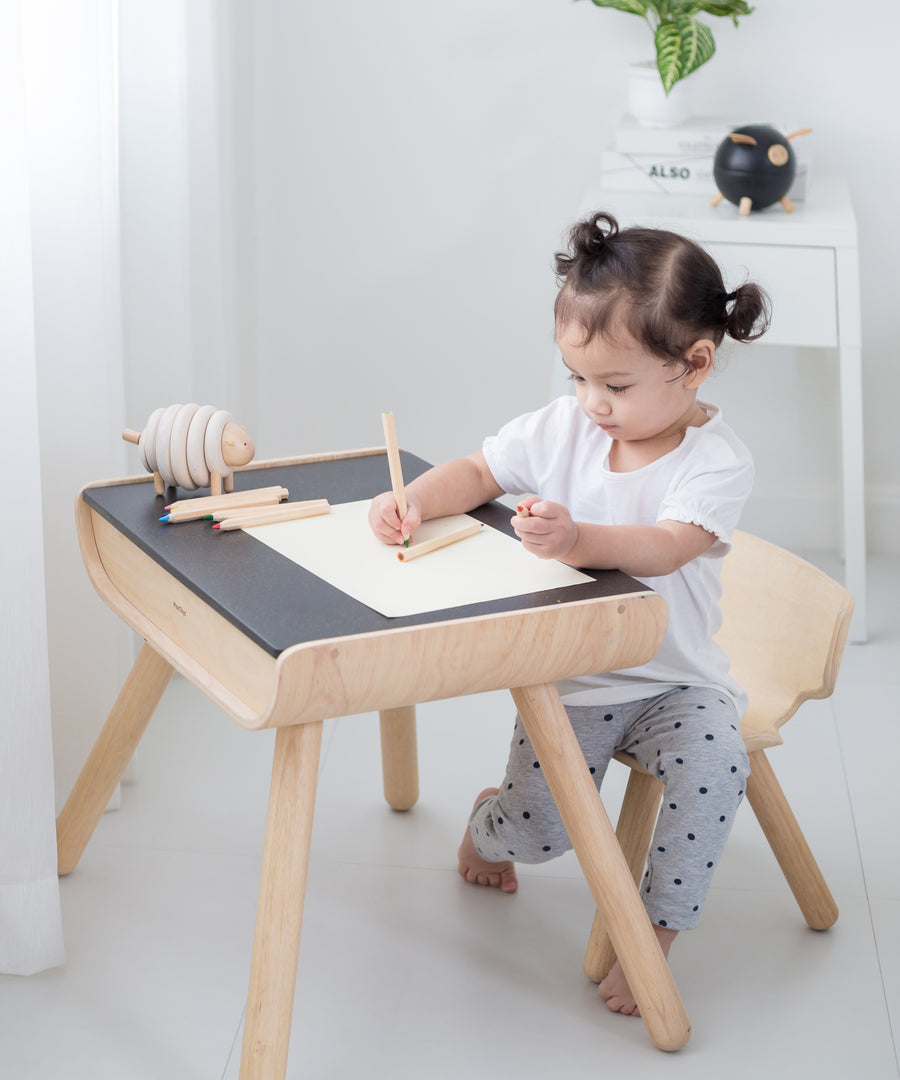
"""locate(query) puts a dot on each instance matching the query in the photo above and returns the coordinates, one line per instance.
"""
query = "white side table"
(809, 264)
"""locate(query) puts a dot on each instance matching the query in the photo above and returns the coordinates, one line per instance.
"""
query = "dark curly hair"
(660, 288)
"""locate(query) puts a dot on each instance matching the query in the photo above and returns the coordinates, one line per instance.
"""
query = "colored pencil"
(286, 510)
(393, 456)
(523, 511)
(272, 517)
(439, 542)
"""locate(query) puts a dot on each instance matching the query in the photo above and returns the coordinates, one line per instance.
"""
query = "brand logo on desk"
(178, 608)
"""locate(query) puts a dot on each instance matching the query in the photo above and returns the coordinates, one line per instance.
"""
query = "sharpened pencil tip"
(216, 525)
(165, 517)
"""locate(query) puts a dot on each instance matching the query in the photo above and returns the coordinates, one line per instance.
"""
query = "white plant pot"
(648, 102)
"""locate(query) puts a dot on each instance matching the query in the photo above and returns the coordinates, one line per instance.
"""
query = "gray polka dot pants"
(690, 739)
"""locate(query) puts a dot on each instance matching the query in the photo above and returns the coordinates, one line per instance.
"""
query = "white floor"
(407, 972)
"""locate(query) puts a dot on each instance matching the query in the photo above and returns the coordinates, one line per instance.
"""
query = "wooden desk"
(275, 646)
(808, 261)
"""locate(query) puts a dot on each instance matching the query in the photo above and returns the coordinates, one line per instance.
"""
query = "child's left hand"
(548, 531)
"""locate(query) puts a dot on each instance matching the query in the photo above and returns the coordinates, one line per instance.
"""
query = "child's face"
(630, 393)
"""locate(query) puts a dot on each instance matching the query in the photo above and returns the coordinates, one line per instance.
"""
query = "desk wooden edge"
(385, 669)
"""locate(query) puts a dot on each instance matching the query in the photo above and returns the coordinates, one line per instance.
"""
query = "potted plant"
(683, 43)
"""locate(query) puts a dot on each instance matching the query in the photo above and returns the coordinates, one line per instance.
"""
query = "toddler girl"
(632, 473)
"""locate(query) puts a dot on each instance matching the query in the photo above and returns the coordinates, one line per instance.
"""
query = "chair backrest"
(784, 630)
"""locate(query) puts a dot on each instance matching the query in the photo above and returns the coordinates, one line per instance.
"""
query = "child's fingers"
(384, 519)
(410, 523)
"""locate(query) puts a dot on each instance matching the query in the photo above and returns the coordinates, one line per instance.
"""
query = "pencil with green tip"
(393, 456)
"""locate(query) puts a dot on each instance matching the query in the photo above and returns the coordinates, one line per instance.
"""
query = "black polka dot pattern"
(689, 740)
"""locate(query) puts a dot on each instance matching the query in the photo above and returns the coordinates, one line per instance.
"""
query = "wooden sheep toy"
(191, 446)
(754, 167)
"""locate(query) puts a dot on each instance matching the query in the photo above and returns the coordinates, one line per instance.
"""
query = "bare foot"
(615, 990)
(499, 875)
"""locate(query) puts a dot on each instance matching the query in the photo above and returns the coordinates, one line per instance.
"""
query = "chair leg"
(276, 943)
(603, 863)
(637, 820)
(114, 748)
(789, 844)
(399, 761)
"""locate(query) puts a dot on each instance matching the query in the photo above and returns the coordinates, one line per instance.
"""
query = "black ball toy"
(754, 167)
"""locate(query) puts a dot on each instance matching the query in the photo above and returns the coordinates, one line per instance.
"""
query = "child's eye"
(572, 377)
(616, 389)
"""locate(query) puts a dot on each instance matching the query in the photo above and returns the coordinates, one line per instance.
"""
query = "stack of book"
(679, 160)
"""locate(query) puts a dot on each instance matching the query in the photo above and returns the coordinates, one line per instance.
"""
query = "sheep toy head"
(192, 446)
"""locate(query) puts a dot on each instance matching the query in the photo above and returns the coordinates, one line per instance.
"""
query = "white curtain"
(30, 920)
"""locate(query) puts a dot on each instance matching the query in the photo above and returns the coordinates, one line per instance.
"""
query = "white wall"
(416, 166)
(394, 180)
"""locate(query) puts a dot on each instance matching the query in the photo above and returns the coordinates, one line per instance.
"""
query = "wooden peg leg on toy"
(603, 864)
(399, 757)
(716, 199)
(108, 759)
(273, 969)
(787, 204)
(745, 205)
(633, 832)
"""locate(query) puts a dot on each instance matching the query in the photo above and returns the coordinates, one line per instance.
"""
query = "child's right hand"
(384, 519)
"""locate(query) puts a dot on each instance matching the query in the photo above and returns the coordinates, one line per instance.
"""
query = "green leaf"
(682, 46)
(633, 7)
(730, 8)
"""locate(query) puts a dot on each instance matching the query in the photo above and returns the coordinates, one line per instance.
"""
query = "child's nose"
(598, 402)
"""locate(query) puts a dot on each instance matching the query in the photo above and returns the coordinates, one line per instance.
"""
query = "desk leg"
(109, 758)
(634, 832)
(273, 969)
(399, 759)
(604, 865)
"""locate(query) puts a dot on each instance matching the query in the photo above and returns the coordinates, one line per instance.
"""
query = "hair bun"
(588, 241)
(750, 312)
(601, 228)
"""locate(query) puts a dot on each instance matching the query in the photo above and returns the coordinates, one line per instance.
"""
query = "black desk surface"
(271, 599)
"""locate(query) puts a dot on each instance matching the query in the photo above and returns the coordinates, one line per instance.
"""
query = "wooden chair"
(785, 626)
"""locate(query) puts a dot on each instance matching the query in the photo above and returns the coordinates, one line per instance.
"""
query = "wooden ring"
(163, 439)
(178, 446)
(212, 443)
(196, 458)
(147, 444)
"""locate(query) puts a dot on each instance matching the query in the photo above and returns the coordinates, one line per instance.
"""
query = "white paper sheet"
(340, 548)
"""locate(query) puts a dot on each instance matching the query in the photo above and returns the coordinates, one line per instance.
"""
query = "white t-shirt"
(558, 454)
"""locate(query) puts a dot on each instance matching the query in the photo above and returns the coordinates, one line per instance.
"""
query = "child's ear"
(700, 357)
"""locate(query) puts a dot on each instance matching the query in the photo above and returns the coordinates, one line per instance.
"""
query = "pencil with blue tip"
(393, 456)
(194, 509)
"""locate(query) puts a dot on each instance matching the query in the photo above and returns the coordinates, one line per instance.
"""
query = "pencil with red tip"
(274, 515)
(286, 510)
